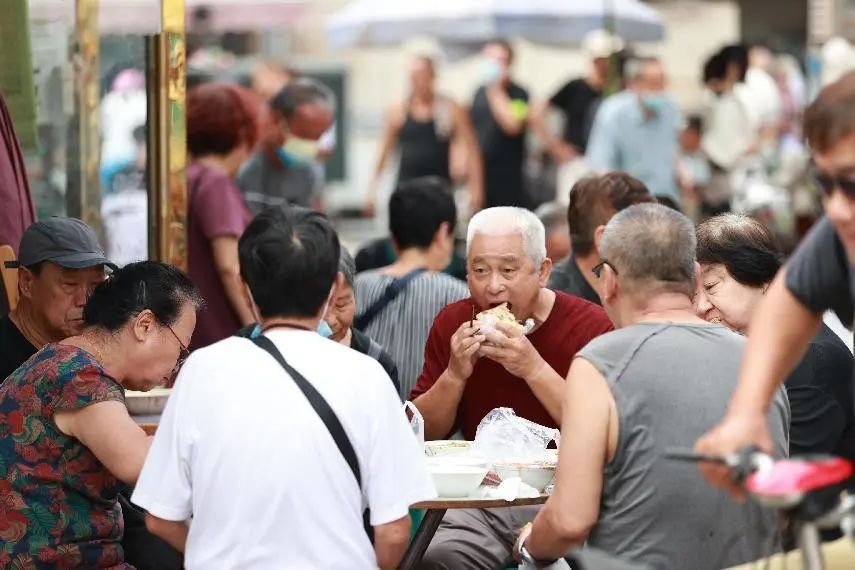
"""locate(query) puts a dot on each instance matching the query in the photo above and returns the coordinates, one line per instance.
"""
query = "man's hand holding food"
(466, 343)
(509, 346)
(494, 334)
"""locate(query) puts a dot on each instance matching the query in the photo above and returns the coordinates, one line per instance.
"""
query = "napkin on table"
(509, 490)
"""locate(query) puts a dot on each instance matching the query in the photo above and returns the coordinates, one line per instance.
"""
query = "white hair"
(506, 220)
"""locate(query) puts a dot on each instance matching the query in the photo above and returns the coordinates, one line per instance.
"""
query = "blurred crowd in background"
(537, 201)
(740, 150)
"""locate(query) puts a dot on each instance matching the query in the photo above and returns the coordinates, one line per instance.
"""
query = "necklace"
(93, 350)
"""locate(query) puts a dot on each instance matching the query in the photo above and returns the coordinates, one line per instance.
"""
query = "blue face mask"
(490, 70)
(324, 329)
(654, 102)
(288, 160)
(298, 151)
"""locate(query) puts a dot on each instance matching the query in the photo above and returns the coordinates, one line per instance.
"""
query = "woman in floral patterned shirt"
(66, 438)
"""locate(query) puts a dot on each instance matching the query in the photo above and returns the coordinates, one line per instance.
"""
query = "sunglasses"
(827, 184)
(183, 354)
(597, 270)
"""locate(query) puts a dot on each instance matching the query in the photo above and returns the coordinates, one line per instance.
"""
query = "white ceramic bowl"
(146, 403)
(465, 460)
(537, 475)
(446, 447)
(456, 481)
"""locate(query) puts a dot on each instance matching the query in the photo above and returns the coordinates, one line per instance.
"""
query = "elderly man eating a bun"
(476, 362)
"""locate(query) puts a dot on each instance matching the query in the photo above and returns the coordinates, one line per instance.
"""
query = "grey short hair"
(651, 246)
(553, 215)
(299, 92)
(507, 220)
(347, 266)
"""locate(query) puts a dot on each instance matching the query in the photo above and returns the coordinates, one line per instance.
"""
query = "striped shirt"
(402, 326)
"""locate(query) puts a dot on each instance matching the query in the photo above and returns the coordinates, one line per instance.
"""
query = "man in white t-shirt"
(243, 473)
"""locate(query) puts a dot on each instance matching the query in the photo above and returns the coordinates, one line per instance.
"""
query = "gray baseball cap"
(67, 242)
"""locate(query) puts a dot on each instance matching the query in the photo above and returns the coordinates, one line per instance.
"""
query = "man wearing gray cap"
(59, 264)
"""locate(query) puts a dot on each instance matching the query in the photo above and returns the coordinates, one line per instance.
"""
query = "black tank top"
(423, 151)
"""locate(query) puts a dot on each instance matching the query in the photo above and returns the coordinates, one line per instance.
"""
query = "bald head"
(652, 249)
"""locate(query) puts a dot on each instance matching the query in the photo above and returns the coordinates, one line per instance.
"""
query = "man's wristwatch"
(526, 557)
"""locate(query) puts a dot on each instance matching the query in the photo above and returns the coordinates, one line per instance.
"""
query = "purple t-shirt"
(215, 209)
(17, 211)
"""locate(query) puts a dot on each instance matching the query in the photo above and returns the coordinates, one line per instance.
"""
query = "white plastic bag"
(510, 490)
(503, 436)
(417, 422)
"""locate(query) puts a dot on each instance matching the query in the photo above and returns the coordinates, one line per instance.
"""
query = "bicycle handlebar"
(807, 488)
(743, 463)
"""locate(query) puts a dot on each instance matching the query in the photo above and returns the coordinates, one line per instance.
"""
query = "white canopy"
(368, 23)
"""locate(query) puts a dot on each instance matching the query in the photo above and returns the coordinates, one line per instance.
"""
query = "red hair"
(220, 117)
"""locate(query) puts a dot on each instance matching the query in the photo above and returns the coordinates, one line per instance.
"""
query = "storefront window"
(89, 157)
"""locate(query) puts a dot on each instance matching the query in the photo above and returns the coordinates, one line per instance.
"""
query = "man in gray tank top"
(660, 381)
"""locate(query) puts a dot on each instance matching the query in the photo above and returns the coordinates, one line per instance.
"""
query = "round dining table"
(435, 509)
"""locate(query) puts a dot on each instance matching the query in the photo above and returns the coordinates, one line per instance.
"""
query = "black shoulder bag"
(327, 415)
(395, 288)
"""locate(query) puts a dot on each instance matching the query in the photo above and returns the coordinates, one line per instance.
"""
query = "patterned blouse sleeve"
(84, 384)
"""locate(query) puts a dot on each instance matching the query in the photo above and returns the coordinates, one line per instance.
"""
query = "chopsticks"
(472, 318)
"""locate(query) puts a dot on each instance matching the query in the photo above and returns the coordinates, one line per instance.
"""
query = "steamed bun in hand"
(487, 320)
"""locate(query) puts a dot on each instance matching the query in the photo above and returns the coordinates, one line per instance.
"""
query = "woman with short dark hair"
(67, 438)
(739, 258)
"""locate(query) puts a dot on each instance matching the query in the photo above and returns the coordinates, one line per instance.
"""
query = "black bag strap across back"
(327, 415)
(318, 403)
(395, 288)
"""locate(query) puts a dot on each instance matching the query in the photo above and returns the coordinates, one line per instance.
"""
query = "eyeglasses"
(827, 184)
(183, 354)
(597, 270)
